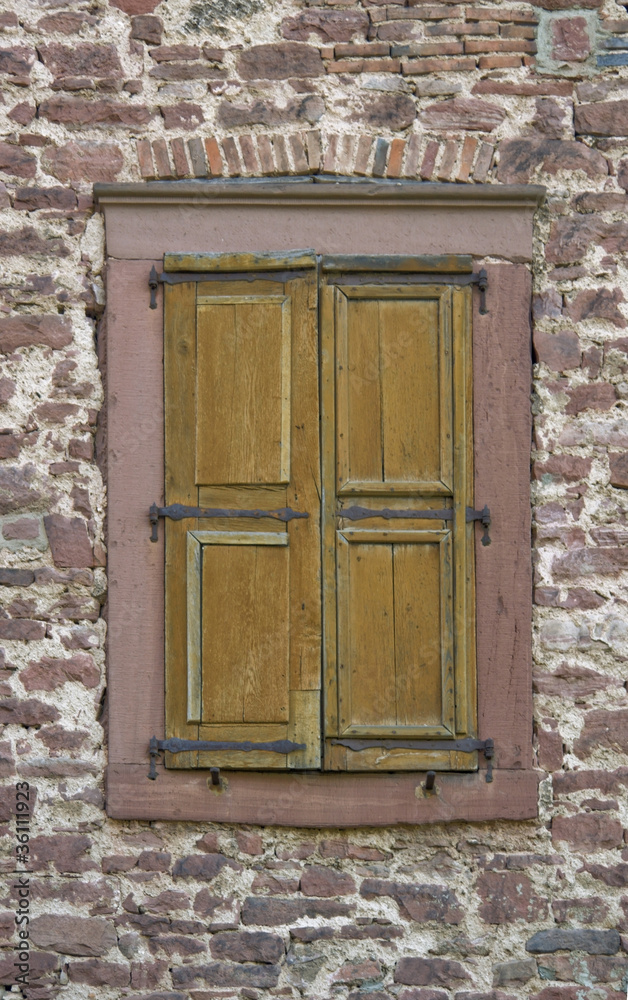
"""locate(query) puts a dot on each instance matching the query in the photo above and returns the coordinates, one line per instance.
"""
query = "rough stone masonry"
(495, 92)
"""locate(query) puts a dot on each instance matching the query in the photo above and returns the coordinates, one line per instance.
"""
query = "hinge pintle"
(484, 516)
(153, 283)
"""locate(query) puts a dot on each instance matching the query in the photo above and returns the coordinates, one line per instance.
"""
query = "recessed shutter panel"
(397, 552)
(242, 432)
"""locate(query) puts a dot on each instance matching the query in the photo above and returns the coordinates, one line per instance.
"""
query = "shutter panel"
(242, 432)
(397, 434)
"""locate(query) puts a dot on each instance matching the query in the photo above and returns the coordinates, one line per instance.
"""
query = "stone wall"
(447, 91)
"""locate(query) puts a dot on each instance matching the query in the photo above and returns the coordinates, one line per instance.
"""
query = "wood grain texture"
(239, 261)
(427, 264)
(320, 800)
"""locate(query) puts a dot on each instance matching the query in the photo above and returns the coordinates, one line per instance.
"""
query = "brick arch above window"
(417, 157)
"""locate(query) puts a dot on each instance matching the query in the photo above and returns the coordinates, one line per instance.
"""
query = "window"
(423, 404)
(243, 593)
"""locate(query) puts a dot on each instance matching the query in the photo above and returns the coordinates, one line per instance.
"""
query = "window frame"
(145, 220)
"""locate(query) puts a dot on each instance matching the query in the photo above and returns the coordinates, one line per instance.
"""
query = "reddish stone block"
(273, 912)
(21, 628)
(73, 935)
(508, 897)
(65, 852)
(358, 972)
(595, 396)
(81, 59)
(247, 946)
(135, 6)
(598, 303)
(603, 728)
(587, 561)
(563, 468)
(79, 111)
(203, 867)
(618, 462)
(420, 903)
(280, 61)
(550, 751)
(94, 972)
(326, 882)
(468, 114)
(147, 28)
(588, 910)
(182, 116)
(48, 674)
(429, 972)
(329, 25)
(68, 540)
(587, 831)
(154, 861)
(559, 351)
(605, 118)
(84, 160)
(519, 158)
(570, 40)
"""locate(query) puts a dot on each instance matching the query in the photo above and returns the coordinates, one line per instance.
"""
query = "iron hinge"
(445, 514)
(466, 745)
(178, 512)
(177, 745)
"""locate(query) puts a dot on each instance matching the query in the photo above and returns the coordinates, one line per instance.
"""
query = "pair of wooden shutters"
(339, 388)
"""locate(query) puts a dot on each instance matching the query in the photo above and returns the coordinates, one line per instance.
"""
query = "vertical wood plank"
(328, 509)
(418, 628)
(179, 418)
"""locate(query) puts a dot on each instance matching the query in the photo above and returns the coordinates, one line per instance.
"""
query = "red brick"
(145, 159)
(507, 14)
(214, 157)
(448, 161)
(429, 160)
(499, 62)
(179, 157)
(363, 49)
(249, 157)
(485, 46)
(433, 65)
(397, 148)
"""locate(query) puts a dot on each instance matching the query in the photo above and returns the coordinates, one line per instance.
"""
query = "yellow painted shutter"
(243, 629)
(398, 592)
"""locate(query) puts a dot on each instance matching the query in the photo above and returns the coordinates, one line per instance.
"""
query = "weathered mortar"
(96, 92)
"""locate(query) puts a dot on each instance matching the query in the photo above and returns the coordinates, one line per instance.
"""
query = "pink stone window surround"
(143, 222)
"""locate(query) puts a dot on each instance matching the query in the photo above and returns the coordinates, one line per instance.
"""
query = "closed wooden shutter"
(398, 592)
(243, 631)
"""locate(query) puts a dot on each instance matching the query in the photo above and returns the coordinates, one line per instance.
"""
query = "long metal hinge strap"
(446, 514)
(176, 745)
(178, 512)
(466, 745)
(480, 279)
